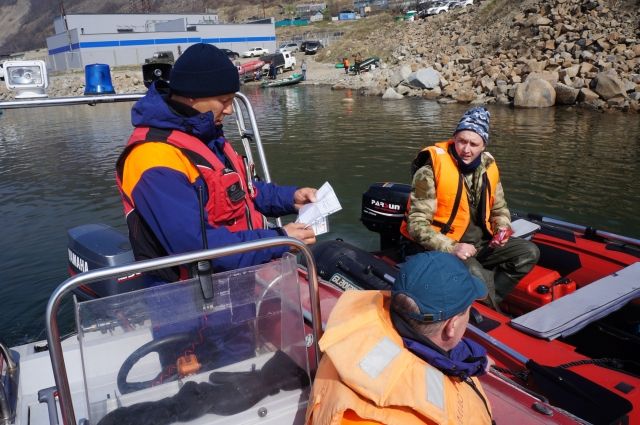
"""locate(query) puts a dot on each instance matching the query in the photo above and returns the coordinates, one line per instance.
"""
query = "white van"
(285, 61)
(289, 61)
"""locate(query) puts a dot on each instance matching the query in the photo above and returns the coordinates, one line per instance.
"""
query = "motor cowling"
(383, 209)
(350, 267)
(94, 246)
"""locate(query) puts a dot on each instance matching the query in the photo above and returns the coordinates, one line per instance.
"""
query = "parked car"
(439, 7)
(255, 51)
(303, 45)
(288, 47)
(463, 3)
(312, 47)
(165, 56)
(231, 54)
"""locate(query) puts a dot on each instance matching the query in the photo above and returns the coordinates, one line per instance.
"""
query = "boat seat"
(567, 315)
(523, 228)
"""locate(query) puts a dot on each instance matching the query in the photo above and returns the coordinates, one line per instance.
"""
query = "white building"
(128, 39)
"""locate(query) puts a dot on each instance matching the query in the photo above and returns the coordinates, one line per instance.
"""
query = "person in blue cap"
(399, 356)
(457, 205)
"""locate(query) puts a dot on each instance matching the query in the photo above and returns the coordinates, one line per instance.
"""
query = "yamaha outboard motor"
(93, 246)
(383, 209)
(350, 267)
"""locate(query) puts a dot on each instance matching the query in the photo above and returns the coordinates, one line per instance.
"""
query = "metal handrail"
(256, 136)
(7, 411)
(73, 100)
(53, 332)
(255, 133)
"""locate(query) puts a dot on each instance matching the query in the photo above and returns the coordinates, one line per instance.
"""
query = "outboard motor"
(350, 267)
(93, 246)
(383, 209)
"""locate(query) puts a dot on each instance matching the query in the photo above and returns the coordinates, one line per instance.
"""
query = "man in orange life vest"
(180, 177)
(457, 205)
(399, 357)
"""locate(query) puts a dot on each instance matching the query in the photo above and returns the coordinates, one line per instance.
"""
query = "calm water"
(56, 171)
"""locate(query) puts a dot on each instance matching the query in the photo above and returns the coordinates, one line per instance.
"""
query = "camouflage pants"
(502, 268)
(499, 268)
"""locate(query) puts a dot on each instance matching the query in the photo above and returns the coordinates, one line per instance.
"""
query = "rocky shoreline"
(534, 54)
(543, 53)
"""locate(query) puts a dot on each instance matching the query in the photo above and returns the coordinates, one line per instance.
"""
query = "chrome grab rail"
(254, 133)
(7, 405)
(53, 332)
(74, 100)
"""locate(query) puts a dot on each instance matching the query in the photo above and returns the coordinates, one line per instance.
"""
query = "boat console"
(229, 347)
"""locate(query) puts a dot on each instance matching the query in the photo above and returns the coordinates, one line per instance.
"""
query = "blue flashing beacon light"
(98, 79)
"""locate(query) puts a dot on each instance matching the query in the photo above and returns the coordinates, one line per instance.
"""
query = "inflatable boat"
(565, 343)
(280, 82)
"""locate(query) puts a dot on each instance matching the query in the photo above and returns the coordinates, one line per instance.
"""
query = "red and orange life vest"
(230, 201)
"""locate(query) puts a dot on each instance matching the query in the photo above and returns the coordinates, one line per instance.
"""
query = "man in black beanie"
(178, 174)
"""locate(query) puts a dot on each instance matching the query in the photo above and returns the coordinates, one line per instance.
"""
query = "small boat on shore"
(247, 69)
(281, 82)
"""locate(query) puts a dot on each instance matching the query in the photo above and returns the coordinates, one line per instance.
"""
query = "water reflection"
(56, 170)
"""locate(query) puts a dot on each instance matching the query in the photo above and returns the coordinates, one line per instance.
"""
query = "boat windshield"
(166, 350)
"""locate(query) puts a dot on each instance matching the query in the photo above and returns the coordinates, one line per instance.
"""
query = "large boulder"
(534, 93)
(391, 94)
(424, 78)
(401, 74)
(608, 85)
(432, 94)
(565, 95)
(464, 95)
(587, 95)
(551, 76)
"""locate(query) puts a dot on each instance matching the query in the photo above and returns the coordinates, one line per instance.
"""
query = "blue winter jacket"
(167, 200)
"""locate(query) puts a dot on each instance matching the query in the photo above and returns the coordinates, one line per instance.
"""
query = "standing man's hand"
(301, 232)
(304, 195)
(464, 251)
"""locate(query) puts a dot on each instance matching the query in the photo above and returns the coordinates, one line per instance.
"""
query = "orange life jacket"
(452, 218)
(367, 370)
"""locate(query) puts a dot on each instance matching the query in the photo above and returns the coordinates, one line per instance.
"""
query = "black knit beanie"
(204, 70)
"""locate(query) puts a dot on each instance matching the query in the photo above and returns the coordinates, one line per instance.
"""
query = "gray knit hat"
(476, 120)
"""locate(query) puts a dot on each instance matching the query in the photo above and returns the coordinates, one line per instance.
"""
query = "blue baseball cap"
(440, 284)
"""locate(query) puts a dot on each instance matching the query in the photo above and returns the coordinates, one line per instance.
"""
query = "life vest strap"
(446, 228)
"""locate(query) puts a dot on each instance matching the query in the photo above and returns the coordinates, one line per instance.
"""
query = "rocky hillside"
(530, 53)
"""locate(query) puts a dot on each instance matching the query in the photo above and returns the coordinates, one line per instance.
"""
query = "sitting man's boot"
(504, 284)
(488, 277)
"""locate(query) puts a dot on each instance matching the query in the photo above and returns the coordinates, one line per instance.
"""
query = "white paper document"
(315, 214)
